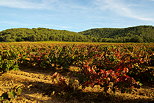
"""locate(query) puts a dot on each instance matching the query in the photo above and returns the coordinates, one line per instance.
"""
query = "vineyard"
(77, 72)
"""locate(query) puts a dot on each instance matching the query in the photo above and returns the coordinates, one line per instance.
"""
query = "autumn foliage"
(112, 66)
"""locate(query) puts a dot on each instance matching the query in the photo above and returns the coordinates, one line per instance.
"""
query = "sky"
(75, 15)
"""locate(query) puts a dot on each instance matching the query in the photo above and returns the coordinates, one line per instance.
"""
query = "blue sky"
(75, 15)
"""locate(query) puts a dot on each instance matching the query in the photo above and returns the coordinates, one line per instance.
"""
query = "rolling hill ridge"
(130, 34)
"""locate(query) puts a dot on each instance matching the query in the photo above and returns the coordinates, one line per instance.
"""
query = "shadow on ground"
(67, 94)
(77, 96)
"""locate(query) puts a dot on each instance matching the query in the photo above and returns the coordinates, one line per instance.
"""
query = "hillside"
(101, 32)
(130, 34)
(39, 34)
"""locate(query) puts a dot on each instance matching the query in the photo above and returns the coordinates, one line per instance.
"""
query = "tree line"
(131, 34)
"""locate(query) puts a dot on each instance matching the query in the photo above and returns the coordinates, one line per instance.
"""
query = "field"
(69, 72)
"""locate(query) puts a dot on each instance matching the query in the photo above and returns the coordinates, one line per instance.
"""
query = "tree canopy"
(131, 34)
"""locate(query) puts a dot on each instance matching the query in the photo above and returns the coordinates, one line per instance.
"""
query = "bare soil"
(38, 87)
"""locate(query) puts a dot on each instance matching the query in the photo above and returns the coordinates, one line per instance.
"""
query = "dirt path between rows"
(13, 79)
(36, 85)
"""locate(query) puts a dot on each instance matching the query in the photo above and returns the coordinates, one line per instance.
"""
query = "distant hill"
(101, 32)
(130, 34)
(39, 34)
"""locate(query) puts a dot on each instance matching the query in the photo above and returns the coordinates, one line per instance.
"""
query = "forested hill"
(39, 34)
(131, 34)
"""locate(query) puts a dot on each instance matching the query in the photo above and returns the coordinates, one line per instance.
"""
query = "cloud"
(40, 4)
(120, 8)
(28, 4)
